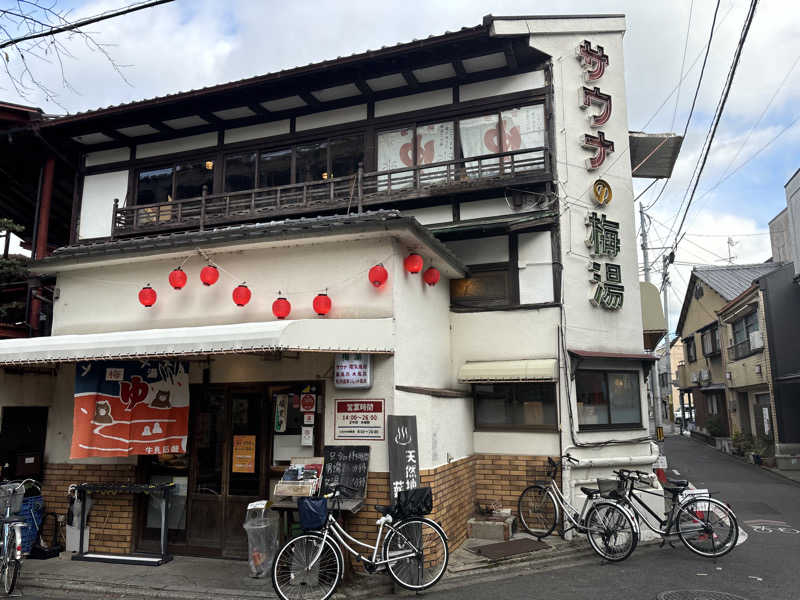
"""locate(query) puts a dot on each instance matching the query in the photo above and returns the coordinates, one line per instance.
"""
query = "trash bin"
(261, 525)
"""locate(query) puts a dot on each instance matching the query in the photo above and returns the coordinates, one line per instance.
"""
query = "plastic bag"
(262, 542)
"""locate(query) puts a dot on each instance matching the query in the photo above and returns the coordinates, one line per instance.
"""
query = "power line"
(720, 108)
(683, 62)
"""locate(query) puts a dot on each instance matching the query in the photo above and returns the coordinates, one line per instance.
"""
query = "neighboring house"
(703, 374)
(670, 393)
(457, 153)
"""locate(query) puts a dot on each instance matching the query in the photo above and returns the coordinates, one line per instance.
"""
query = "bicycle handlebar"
(628, 474)
(337, 490)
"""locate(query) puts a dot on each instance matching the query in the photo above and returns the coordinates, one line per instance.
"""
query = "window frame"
(544, 428)
(713, 333)
(691, 349)
(210, 156)
(610, 426)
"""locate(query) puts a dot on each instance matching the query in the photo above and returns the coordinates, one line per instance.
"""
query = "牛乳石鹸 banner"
(123, 408)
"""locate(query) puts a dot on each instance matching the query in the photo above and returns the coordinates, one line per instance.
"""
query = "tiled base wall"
(501, 478)
(111, 521)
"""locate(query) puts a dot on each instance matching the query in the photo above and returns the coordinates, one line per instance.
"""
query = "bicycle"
(11, 495)
(414, 550)
(611, 529)
(699, 522)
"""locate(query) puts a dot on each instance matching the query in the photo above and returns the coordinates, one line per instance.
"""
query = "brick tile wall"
(501, 478)
(111, 520)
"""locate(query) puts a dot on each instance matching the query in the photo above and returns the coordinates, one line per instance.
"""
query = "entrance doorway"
(235, 449)
(763, 416)
(22, 438)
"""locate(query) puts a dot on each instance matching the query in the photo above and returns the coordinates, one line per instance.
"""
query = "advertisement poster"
(352, 371)
(125, 408)
(244, 454)
(362, 419)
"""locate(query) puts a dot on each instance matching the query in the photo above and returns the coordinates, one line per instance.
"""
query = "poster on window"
(244, 454)
(125, 408)
(396, 151)
(524, 128)
(479, 137)
(435, 143)
(359, 419)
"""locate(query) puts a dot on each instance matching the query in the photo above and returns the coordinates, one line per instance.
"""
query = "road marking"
(774, 529)
(676, 471)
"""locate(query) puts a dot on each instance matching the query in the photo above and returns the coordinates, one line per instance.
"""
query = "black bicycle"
(705, 525)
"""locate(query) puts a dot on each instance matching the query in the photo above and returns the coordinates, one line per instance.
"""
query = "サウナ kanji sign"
(123, 408)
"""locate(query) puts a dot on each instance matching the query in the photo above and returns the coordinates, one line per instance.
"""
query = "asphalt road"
(765, 566)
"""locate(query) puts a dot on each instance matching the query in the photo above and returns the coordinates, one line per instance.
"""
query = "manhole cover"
(697, 595)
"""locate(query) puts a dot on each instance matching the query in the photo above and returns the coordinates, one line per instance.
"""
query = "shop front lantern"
(147, 296)
(241, 294)
(177, 278)
(413, 263)
(322, 304)
(209, 275)
(431, 276)
(378, 275)
(281, 308)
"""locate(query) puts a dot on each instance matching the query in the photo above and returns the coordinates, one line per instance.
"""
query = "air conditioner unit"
(695, 377)
(756, 340)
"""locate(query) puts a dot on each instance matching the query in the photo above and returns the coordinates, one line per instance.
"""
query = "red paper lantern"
(177, 278)
(322, 304)
(241, 295)
(147, 296)
(431, 276)
(378, 275)
(413, 263)
(281, 308)
(209, 275)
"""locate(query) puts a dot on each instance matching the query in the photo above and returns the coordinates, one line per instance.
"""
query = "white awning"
(540, 369)
(310, 335)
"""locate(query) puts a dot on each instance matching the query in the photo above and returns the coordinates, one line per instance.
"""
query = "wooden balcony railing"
(352, 192)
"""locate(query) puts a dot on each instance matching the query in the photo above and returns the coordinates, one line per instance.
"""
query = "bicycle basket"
(611, 488)
(313, 512)
(413, 503)
(11, 494)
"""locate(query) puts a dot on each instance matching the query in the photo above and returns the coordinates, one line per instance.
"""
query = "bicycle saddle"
(384, 510)
(678, 483)
(590, 492)
(12, 519)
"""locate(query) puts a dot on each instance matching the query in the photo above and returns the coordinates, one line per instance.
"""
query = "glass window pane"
(275, 168)
(623, 391)
(245, 444)
(209, 439)
(240, 172)
(346, 153)
(537, 405)
(511, 405)
(396, 151)
(311, 162)
(487, 288)
(524, 128)
(155, 186)
(190, 177)
(592, 397)
(478, 136)
(435, 144)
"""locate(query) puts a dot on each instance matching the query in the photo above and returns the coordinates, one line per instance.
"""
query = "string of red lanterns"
(281, 307)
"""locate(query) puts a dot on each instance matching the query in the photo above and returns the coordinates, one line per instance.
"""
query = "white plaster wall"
(107, 156)
(501, 85)
(191, 142)
(422, 359)
(99, 192)
(479, 251)
(535, 258)
(104, 299)
(431, 214)
(393, 106)
(331, 117)
(254, 132)
(479, 209)
(518, 443)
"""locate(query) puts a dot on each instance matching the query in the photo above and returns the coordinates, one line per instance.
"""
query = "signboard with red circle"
(308, 402)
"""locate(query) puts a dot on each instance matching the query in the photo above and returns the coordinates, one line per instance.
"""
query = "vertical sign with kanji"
(403, 454)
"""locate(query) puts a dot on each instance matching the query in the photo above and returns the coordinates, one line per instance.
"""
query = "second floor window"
(691, 353)
(742, 328)
(174, 182)
(710, 341)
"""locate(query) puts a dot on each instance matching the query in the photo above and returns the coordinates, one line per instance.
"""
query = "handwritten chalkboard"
(346, 465)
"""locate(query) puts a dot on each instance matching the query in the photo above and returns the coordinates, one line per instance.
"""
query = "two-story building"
(449, 210)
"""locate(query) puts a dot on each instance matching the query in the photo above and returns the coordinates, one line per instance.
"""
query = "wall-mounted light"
(209, 165)
(728, 375)
(758, 369)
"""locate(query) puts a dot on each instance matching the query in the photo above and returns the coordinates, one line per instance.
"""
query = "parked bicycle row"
(613, 512)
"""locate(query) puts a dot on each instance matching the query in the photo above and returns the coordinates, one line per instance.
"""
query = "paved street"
(763, 567)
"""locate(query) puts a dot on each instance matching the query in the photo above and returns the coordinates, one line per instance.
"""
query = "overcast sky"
(194, 43)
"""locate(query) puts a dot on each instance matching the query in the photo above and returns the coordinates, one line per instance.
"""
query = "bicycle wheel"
(707, 527)
(9, 565)
(292, 577)
(428, 543)
(611, 531)
(538, 511)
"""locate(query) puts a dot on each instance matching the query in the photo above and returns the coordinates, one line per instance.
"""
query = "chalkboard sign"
(346, 465)
(403, 454)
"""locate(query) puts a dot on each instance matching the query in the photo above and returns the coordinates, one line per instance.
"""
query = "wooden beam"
(213, 119)
(309, 99)
(511, 57)
(410, 79)
(363, 87)
(161, 127)
(116, 136)
(258, 109)
(458, 66)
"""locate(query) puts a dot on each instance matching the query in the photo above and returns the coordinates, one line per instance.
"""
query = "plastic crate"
(11, 494)
(33, 512)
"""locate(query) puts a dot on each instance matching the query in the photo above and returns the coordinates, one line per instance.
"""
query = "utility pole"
(655, 387)
(665, 284)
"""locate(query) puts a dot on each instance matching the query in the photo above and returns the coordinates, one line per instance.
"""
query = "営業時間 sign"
(359, 419)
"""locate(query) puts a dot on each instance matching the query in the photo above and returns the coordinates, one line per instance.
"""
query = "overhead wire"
(683, 63)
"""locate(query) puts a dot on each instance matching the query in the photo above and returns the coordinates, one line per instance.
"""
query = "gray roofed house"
(731, 280)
